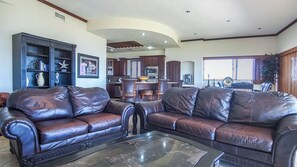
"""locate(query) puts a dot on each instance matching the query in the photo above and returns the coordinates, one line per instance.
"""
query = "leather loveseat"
(252, 128)
(43, 124)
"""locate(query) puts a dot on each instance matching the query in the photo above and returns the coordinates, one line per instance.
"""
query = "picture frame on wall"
(87, 66)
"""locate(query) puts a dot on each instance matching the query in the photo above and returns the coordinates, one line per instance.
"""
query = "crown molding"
(63, 10)
(237, 37)
(288, 26)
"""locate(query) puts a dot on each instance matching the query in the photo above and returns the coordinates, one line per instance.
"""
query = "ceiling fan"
(1, 1)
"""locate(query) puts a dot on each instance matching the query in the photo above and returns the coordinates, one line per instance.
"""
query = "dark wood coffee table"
(146, 150)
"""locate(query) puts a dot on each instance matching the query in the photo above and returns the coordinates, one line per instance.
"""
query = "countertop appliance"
(188, 79)
(152, 71)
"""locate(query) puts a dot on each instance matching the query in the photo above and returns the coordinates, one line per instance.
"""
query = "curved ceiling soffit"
(133, 24)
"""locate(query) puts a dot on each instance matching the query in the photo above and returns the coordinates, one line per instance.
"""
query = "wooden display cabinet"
(33, 55)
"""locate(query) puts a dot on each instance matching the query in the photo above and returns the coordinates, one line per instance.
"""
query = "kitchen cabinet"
(158, 60)
(120, 67)
(109, 66)
(114, 89)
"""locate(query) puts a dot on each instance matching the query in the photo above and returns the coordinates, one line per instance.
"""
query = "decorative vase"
(40, 79)
(27, 81)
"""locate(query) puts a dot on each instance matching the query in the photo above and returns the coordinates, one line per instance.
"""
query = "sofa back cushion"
(88, 100)
(263, 109)
(42, 104)
(213, 103)
(180, 100)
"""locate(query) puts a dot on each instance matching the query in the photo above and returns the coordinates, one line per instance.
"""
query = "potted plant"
(270, 68)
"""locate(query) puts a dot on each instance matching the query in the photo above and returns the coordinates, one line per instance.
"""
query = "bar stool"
(162, 87)
(128, 88)
(3, 98)
(148, 93)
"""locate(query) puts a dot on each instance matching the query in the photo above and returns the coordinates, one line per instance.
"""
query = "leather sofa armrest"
(143, 109)
(125, 110)
(285, 143)
(17, 126)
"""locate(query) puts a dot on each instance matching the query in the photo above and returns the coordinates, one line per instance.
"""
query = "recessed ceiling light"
(259, 28)
(143, 34)
(165, 41)
(149, 47)
(228, 20)
(111, 50)
(187, 11)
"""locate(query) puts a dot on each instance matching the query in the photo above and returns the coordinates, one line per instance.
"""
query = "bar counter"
(114, 88)
(150, 85)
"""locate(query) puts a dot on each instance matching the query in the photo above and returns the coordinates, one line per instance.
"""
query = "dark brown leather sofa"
(43, 124)
(252, 128)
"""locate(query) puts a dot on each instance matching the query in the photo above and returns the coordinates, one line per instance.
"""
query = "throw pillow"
(42, 104)
(213, 103)
(180, 100)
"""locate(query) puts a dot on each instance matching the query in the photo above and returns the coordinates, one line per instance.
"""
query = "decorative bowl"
(143, 78)
(227, 81)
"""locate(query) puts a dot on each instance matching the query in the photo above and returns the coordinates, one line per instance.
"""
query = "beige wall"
(287, 39)
(35, 18)
(135, 54)
(195, 51)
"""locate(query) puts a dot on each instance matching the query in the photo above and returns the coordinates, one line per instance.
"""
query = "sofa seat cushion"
(246, 136)
(165, 119)
(60, 129)
(203, 128)
(100, 121)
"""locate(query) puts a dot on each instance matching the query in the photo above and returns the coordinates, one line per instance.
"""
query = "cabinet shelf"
(45, 86)
(63, 58)
(36, 54)
(65, 72)
(32, 70)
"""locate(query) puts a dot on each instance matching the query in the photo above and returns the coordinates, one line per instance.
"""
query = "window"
(133, 68)
(218, 69)
(238, 68)
(244, 69)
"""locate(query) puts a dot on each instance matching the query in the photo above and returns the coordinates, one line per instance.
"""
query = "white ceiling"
(207, 18)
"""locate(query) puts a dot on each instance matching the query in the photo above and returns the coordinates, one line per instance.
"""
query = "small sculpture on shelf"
(27, 81)
(64, 66)
(41, 65)
(57, 78)
(208, 84)
(33, 65)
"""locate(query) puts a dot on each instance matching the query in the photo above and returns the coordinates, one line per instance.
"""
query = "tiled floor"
(9, 160)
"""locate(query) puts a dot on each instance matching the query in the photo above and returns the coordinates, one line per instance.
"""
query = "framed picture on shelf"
(88, 66)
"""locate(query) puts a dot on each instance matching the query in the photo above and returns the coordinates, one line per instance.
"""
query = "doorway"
(173, 71)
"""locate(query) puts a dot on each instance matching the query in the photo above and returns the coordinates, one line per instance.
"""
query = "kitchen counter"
(114, 88)
(169, 83)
